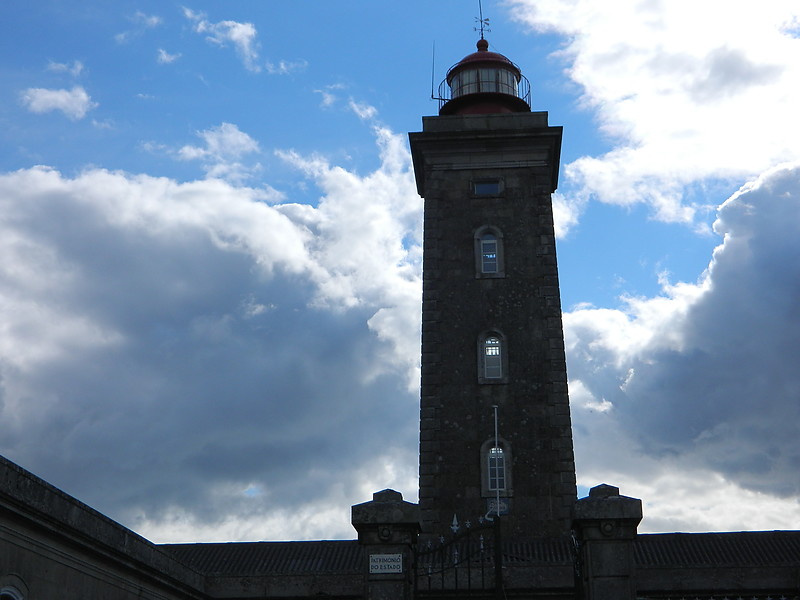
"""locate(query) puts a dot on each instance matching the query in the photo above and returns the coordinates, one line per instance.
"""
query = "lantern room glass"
(484, 80)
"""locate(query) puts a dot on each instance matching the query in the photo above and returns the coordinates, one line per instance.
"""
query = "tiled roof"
(740, 549)
(262, 558)
(555, 551)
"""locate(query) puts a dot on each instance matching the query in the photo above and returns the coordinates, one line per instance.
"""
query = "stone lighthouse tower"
(495, 432)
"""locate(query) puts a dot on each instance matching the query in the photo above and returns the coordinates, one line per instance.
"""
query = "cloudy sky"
(210, 241)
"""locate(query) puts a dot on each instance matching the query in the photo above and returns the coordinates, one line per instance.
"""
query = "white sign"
(385, 563)
(491, 504)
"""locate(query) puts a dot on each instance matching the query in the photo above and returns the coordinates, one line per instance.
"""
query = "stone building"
(498, 515)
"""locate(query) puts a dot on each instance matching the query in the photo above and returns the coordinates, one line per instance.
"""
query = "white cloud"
(566, 213)
(362, 110)
(75, 69)
(328, 94)
(74, 103)
(224, 146)
(285, 67)
(147, 21)
(142, 22)
(166, 58)
(702, 381)
(675, 93)
(107, 124)
(241, 35)
(376, 255)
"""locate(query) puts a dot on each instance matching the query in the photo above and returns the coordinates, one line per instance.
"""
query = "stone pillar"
(605, 527)
(387, 529)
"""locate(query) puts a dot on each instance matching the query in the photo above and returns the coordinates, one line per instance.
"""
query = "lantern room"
(483, 83)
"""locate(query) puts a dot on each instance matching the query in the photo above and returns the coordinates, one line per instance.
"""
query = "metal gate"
(469, 565)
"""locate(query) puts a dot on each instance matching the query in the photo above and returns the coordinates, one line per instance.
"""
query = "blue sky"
(209, 296)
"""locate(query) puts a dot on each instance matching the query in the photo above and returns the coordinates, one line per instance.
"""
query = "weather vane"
(483, 24)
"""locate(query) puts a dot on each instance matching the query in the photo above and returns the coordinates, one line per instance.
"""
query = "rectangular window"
(488, 80)
(489, 256)
(507, 83)
(489, 187)
(497, 469)
(465, 82)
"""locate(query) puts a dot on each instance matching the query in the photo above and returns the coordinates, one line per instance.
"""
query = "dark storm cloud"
(710, 375)
(272, 399)
(184, 348)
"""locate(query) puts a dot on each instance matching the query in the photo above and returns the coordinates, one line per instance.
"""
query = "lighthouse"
(495, 430)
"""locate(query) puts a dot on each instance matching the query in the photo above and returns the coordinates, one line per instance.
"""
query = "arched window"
(492, 360)
(12, 587)
(488, 253)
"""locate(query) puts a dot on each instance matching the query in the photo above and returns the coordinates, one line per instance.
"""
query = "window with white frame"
(489, 253)
(496, 464)
(492, 357)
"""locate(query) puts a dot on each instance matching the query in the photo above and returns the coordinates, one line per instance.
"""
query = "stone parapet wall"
(62, 548)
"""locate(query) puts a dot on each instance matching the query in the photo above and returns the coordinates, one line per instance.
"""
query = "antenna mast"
(433, 68)
(497, 445)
